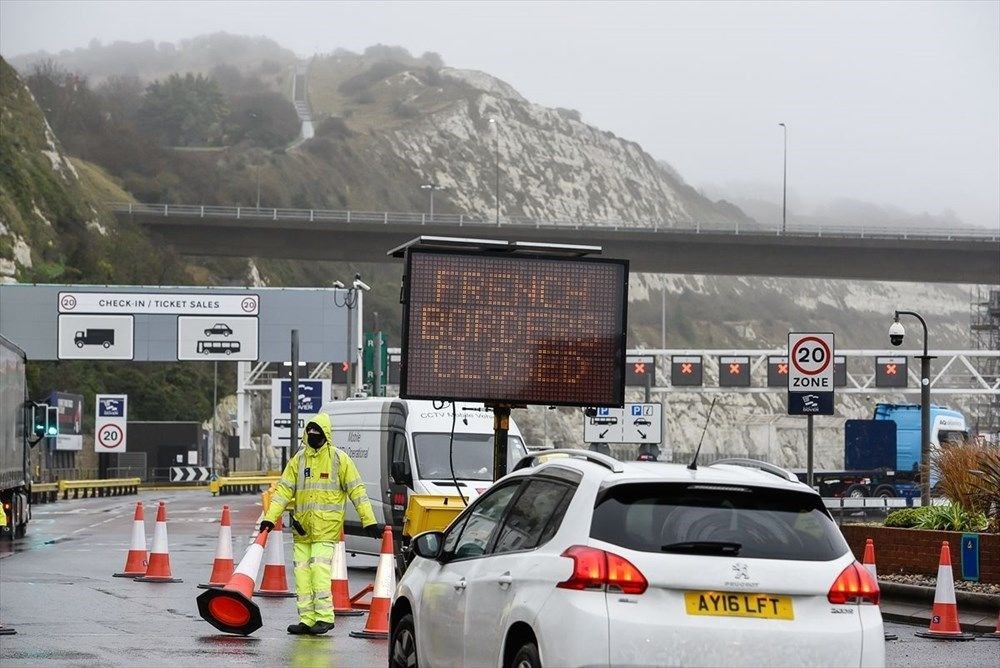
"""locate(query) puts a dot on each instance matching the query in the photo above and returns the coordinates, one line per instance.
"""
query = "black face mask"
(315, 440)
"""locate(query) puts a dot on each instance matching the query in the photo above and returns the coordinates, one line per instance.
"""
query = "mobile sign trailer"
(512, 324)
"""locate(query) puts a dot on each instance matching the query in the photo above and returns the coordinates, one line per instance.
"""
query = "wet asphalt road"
(56, 590)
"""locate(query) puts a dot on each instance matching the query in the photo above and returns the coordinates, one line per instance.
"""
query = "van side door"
(400, 477)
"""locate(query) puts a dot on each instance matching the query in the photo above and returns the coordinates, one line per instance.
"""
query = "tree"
(184, 111)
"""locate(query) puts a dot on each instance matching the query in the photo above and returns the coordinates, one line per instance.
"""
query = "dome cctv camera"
(896, 333)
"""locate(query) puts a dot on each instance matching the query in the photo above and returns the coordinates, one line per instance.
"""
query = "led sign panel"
(509, 329)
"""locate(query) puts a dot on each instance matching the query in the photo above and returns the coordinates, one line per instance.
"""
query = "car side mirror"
(428, 544)
(400, 473)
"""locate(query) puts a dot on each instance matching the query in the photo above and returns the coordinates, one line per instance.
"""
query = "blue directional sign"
(310, 396)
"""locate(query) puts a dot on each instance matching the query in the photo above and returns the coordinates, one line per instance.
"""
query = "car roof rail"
(607, 462)
(766, 467)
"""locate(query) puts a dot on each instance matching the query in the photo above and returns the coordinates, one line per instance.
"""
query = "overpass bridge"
(942, 256)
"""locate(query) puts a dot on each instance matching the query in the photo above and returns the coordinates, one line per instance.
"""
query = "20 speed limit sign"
(810, 373)
(110, 437)
(111, 423)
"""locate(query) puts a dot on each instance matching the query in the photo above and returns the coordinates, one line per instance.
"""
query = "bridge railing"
(461, 220)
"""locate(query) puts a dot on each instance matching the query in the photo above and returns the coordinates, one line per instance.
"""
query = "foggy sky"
(895, 103)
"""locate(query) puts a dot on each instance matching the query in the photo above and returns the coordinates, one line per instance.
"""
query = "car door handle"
(460, 585)
(505, 580)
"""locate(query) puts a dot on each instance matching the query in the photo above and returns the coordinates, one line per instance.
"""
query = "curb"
(911, 604)
(923, 594)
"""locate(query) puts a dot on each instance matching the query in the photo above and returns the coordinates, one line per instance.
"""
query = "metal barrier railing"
(413, 218)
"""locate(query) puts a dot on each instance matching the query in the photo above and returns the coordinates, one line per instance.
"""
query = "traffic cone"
(222, 567)
(944, 615)
(868, 561)
(338, 582)
(995, 635)
(231, 609)
(158, 569)
(135, 560)
(274, 581)
(377, 625)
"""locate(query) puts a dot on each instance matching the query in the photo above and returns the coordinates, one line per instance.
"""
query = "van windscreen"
(472, 455)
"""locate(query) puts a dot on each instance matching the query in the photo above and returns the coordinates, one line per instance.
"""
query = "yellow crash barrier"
(95, 488)
(44, 492)
(241, 484)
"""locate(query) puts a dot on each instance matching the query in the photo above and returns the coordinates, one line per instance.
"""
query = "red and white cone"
(377, 625)
(944, 615)
(995, 635)
(338, 582)
(158, 569)
(274, 581)
(868, 561)
(222, 567)
(231, 609)
(136, 559)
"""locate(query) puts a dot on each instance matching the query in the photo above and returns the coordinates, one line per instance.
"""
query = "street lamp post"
(896, 333)
(496, 128)
(784, 181)
(432, 187)
(258, 187)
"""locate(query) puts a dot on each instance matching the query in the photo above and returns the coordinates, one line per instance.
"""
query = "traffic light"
(777, 371)
(341, 372)
(734, 371)
(640, 370)
(686, 371)
(890, 372)
(52, 423)
(39, 420)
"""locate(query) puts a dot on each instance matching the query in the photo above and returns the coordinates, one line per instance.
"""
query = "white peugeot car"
(582, 560)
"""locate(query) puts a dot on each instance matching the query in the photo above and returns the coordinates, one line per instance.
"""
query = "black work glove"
(373, 531)
(266, 526)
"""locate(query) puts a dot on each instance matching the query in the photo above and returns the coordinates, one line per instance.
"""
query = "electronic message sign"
(514, 329)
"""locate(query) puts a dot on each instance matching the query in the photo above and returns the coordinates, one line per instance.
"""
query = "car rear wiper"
(703, 547)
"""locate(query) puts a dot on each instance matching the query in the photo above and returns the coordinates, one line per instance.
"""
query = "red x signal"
(687, 368)
(639, 368)
(734, 369)
(782, 369)
(890, 369)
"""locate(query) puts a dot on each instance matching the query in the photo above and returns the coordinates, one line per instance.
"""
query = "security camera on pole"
(810, 382)
(896, 334)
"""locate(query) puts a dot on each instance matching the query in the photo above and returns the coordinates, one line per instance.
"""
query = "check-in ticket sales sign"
(810, 373)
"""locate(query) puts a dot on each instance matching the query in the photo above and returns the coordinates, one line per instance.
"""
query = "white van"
(401, 446)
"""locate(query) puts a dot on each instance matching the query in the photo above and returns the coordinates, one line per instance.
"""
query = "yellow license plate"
(730, 604)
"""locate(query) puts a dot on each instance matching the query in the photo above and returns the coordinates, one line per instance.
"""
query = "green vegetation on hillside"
(55, 228)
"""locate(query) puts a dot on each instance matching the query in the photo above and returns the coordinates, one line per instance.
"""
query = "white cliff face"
(553, 166)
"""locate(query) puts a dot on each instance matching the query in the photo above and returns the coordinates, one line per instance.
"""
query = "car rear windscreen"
(717, 520)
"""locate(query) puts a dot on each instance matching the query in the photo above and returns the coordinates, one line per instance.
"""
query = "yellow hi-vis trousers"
(312, 562)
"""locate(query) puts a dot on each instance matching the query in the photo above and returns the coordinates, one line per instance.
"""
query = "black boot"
(320, 628)
(298, 629)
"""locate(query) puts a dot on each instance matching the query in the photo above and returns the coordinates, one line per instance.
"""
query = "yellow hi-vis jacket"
(320, 480)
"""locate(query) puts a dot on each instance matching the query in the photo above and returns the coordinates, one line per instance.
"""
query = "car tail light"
(854, 585)
(599, 570)
(399, 499)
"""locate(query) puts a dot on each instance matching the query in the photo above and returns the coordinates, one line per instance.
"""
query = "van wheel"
(857, 492)
(403, 644)
(527, 657)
